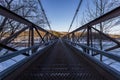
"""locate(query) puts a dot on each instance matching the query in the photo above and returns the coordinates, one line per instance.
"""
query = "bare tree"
(98, 8)
(26, 8)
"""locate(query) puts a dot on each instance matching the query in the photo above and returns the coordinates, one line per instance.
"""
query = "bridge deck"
(60, 63)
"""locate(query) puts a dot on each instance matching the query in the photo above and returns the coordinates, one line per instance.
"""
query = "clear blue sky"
(61, 12)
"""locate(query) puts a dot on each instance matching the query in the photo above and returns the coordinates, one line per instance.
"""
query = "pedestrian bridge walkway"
(59, 62)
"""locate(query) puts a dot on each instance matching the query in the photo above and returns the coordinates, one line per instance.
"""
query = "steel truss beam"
(9, 14)
(7, 47)
(112, 14)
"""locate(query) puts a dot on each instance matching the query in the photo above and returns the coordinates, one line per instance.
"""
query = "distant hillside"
(60, 34)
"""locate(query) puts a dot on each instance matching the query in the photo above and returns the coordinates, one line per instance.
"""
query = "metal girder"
(32, 36)
(9, 14)
(112, 48)
(39, 28)
(81, 34)
(39, 34)
(11, 55)
(7, 47)
(107, 16)
(45, 35)
(117, 42)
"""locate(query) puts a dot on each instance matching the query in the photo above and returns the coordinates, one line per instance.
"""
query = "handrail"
(109, 55)
(104, 69)
(10, 55)
(25, 61)
(13, 54)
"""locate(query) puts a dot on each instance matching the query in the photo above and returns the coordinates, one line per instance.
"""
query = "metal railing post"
(91, 39)
(88, 37)
(73, 37)
(31, 38)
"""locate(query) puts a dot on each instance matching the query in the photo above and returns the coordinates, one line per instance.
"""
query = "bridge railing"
(99, 47)
(26, 35)
(20, 59)
(23, 44)
(98, 43)
(96, 33)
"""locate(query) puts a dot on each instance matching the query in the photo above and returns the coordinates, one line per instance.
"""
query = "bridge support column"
(47, 37)
(91, 40)
(31, 38)
(73, 35)
(88, 37)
